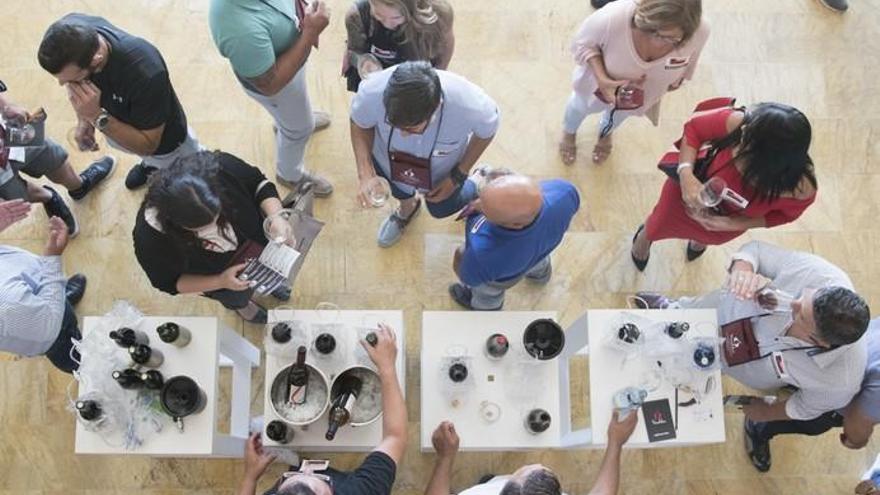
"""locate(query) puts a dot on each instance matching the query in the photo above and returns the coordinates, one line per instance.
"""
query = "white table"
(213, 345)
(348, 438)
(447, 333)
(610, 372)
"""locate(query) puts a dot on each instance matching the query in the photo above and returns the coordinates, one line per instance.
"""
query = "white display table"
(348, 439)
(610, 371)
(213, 345)
(513, 386)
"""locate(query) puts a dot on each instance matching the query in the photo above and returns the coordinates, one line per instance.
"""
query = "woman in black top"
(393, 31)
(196, 215)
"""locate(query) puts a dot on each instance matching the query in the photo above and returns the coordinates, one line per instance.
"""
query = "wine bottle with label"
(298, 378)
(340, 411)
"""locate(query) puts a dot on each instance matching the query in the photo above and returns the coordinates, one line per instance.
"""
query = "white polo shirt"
(826, 380)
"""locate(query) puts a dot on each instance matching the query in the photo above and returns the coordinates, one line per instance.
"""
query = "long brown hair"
(427, 22)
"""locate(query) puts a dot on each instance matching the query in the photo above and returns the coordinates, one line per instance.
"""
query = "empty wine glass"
(278, 228)
(775, 300)
(368, 64)
(712, 192)
(377, 191)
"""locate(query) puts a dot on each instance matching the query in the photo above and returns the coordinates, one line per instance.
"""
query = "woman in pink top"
(632, 52)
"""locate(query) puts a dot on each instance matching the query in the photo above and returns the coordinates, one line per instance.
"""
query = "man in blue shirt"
(516, 224)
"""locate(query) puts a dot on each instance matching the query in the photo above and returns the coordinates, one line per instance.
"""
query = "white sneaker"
(320, 185)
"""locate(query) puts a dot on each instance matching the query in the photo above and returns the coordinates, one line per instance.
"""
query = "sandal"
(601, 151)
(568, 149)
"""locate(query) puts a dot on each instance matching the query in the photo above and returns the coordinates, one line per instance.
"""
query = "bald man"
(516, 224)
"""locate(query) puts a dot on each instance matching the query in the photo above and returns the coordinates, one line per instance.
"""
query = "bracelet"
(684, 165)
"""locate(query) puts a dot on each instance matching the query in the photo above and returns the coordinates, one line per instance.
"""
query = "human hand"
(13, 112)
(364, 186)
(384, 353)
(620, 431)
(608, 88)
(441, 192)
(12, 211)
(315, 20)
(229, 278)
(715, 223)
(85, 98)
(85, 136)
(445, 439)
(367, 64)
(743, 282)
(256, 459)
(57, 238)
(675, 85)
(280, 230)
(690, 189)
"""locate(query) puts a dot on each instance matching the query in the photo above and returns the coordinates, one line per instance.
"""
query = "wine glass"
(278, 228)
(377, 191)
(712, 192)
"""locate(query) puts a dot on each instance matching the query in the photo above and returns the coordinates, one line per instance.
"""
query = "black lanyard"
(433, 145)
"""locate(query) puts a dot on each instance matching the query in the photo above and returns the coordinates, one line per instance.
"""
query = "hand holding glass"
(278, 228)
(375, 192)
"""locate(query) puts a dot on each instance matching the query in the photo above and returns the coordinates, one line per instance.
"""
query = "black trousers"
(812, 427)
(231, 299)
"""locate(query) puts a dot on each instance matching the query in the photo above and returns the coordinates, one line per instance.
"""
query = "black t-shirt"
(375, 476)
(243, 188)
(135, 87)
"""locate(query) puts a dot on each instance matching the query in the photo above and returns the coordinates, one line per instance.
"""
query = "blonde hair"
(426, 24)
(654, 15)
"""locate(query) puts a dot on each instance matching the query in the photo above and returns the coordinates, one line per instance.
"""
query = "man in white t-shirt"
(531, 479)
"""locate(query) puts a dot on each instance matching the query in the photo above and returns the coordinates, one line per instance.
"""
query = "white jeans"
(187, 147)
(294, 124)
(577, 109)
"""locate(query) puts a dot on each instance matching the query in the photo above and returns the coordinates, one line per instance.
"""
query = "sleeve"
(789, 214)
(485, 116)
(251, 55)
(706, 126)
(357, 33)
(367, 106)
(375, 476)
(699, 40)
(810, 403)
(163, 269)
(470, 271)
(250, 177)
(152, 106)
(765, 258)
(592, 35)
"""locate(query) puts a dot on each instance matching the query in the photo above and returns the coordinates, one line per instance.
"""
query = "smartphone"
(745, 400)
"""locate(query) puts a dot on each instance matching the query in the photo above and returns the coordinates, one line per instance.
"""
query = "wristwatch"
(457, 176)
(102, 120)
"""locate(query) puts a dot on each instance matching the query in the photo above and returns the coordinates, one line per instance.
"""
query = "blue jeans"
(490, 296)
(59, 353)
(460, 197)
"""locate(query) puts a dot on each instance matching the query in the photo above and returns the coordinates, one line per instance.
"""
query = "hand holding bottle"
(384, 353)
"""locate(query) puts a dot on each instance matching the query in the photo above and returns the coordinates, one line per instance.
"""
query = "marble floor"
(793, 51)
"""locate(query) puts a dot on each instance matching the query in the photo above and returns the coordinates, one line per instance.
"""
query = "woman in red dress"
(766, 163)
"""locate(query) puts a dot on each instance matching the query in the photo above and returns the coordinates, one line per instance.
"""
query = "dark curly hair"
(538, 482)
(188, 195)
(841, 315)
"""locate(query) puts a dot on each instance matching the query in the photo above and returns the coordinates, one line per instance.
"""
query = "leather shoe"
(75, 288)
(640, 264)
(757, 448)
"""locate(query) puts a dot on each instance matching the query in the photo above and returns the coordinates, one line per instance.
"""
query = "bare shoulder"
(734, 120)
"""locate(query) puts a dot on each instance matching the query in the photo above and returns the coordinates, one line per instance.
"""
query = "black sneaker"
(56, 207)
(757, 448)
(282, 293)
(835, 5)
(92, 176)
(75, 288)
(138, 176)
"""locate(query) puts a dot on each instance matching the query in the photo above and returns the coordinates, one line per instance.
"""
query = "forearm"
(197, 284)
(608, 479)
(597, 64)
(446, 57)
(131, 138)
(248, 486)
(393, 405)
(362, 145)
(439, 484)
(289, 63)
(741, 222)
(474, 151)
(270, 206)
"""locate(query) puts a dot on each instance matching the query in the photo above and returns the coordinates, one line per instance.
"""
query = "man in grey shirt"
(806, 325)
(422, 130)
(36, 301)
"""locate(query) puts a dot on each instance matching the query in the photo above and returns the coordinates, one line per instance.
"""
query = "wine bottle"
(127, 337)
(340, 411)
(281, 333)
(89, 410)
(279, 432)
(146, 356)
(152, 379)
(174, 334)
(128, 379)
(298, 378)
(325, 343)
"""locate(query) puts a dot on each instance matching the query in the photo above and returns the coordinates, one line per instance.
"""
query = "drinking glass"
(377, 191)
(775, 300)
(278, 228)
(712, 192)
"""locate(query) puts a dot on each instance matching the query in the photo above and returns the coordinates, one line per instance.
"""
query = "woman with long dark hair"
(382, 33)
(762, 158)
(197, 214)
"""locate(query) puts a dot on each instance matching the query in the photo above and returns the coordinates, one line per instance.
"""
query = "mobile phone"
(745, 400)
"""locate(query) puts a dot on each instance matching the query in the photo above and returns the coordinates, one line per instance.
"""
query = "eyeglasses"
(323, 477)
(669, 40)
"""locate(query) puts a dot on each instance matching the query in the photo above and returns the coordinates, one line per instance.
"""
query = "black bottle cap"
(281, 333)
(325, 343)
(89, 410)
(458, 372)
(372, 339)
(276, 431)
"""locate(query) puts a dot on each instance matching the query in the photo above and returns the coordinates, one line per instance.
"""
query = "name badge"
(779, 366)
(673, 63)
